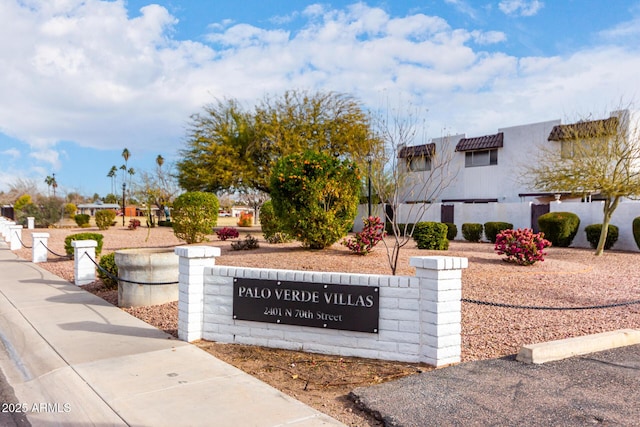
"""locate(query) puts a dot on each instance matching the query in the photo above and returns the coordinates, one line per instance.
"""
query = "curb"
(569, 347)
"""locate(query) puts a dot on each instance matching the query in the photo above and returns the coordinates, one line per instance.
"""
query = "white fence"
(519, 214)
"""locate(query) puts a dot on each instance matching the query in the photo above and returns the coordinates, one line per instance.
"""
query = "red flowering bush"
(521, 246)
(371, 234)
(227, 233)
(134, 223)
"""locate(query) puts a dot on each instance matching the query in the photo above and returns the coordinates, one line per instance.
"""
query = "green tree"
(592, 157)
(194, 215)
(229, 148)
(22, 201)
(110, 198)
(315, 196)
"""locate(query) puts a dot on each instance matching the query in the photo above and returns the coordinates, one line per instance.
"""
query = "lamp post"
(124, 186)
(369, 158)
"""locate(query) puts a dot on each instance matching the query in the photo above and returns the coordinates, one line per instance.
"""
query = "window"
(481, 158)
(418, 163)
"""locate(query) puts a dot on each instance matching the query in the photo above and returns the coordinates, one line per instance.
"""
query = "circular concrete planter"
(147, 267)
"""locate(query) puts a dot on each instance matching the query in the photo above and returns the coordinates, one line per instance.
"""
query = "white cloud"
(83, 71)
(463, 7)
(520, 7)
(629, 30)
(11, 152)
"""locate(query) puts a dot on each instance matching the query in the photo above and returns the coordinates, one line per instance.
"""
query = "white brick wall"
(419, 317)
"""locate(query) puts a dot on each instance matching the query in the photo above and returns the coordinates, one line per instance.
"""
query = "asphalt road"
(596, 389)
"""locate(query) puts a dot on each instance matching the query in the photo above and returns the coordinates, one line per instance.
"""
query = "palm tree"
(125, 155)
(54, 184)
(131, 172)
(49, 181)
(112, 175)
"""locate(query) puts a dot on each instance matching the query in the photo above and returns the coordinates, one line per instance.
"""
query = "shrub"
(452, 230)
(82, 220)
(636, 230)
(108, 263)
(70, 210)
(271, 225)
(22, 201)
(472, 232)
(68, 248)
(245, 220)
(491, 229)
(227, 233)
(593, 235)
(559, 227)
(134, 223)
(104, 218)
(521, 246)
(372, 233)
(279, 237)
(194, 216)
(30, 210)
(248, 243)
(315, 196)
(431, 235)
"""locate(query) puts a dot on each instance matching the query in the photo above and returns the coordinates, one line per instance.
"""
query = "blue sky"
(83, 79)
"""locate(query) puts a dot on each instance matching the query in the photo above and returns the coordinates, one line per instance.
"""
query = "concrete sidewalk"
(70, 358)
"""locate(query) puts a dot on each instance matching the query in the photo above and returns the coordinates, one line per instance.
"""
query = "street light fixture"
(369, 158)
(124, 187)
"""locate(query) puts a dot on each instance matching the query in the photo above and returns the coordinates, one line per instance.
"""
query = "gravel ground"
(567, 278)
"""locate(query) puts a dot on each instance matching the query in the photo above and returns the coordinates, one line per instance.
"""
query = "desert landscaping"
(567, 278)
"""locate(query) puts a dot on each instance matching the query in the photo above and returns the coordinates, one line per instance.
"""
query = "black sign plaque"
(319, 305)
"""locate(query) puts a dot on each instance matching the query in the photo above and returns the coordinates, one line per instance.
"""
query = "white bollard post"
(39, 247)
(6, 232)
(31, 222)
(193, 260)
(16, 237)
(84, 270)
(440, 308)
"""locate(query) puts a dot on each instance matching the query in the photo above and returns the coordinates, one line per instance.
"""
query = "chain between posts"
(21, 242)
(56, 254)
(536, 307)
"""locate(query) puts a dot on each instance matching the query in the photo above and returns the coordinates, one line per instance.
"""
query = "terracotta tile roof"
(584, 130)
(425, 150)
(481, 142)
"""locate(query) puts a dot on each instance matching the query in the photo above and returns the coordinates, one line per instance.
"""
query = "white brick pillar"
(3, 225)
(6, 231)
(84, 270)
(39, 247)
(193, 260)
(31, 222)
(440, 308)
(15, 237)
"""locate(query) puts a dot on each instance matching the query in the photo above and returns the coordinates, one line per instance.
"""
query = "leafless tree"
(395, 180)
(593, 157)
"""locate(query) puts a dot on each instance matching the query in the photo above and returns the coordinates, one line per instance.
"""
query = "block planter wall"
(419, 317)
